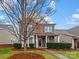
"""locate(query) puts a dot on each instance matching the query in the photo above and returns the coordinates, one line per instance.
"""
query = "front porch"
(42, 40)
(75, 43)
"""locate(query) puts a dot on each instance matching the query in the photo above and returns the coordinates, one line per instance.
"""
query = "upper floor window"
(48, 29)
(29, 28)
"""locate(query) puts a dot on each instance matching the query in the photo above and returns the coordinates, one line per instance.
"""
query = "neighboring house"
(6, 38)
(69, 36)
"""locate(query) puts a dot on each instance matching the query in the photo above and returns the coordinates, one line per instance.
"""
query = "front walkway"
(59, 56)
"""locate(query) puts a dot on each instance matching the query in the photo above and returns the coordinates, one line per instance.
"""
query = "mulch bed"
(28, 49)
(5, 45)
(26, 56)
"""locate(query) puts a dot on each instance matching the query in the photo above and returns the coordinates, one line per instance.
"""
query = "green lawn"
(71, 55)
(7, 52)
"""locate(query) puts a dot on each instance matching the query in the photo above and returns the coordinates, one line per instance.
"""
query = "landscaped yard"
(70, 54)
(7, 52)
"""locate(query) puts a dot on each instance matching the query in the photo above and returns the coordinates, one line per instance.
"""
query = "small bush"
(17, 45)
(31, 45)
(59, 45)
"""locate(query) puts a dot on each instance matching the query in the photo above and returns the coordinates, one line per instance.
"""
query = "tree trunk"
(24, 45)
(20, 39)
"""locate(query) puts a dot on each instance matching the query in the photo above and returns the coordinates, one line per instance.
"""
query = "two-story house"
(42, 34)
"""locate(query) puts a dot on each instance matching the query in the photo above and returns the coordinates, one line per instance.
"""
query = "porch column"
(58, 39)
(46, 40)
(36, 41)
(28, 42)
(72, 44)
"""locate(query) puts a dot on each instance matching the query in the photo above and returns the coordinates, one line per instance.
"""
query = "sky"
(67, 14)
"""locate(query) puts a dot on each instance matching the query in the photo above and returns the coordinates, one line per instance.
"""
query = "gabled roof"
(6, 27)
(3, 26)
(74, 30)
(45, 20)
(66, 32)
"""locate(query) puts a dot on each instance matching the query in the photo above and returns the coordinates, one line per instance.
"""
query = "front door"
(76, 43)
(42, 42)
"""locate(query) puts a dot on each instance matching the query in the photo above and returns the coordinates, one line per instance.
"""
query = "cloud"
(49, 20)
(2, 17)
(72, 21)
(77, 10)
(76, 16)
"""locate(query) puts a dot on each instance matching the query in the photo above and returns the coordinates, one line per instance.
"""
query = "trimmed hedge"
(31, 45)
(17, 45)
(59, 45)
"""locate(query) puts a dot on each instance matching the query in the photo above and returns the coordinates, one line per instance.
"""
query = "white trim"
(36, 41)
(58, 39)
(72, 44)
(46, 40)
(33, 39)
(28, 42)
(22, 43)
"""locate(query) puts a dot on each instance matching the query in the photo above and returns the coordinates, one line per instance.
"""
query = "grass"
(7, 52)
(70, 54)
(4, 51)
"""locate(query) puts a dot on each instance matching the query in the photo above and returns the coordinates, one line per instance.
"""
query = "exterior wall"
(56, 39)
(6, 37)
(65, 39)
(40, 26)
(62, 39)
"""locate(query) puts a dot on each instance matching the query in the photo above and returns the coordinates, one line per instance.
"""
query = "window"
(50, 38)
(29, 28)
(48, 29)
(30, 39)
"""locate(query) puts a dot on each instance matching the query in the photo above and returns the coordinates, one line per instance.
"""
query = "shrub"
(31, 45)
(17, 45)
(59, 45)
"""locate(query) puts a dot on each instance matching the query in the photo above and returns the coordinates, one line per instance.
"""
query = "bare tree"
(22, 12)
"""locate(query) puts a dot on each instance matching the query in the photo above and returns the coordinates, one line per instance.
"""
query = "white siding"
(6, 37)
